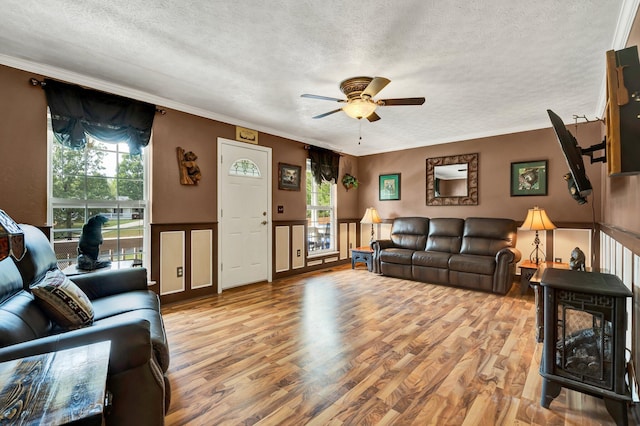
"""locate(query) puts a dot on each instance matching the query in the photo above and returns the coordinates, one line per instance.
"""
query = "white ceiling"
(488, 67)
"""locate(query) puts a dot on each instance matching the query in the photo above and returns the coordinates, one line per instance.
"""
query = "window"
(320, 215)
(244, 167)
(103, 178)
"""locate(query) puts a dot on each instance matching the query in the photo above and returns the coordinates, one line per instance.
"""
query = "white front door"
(244, 213)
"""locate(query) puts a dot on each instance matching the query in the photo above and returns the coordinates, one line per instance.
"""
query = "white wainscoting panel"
(566, 239)
(344, 240)
(282, 248)
(365, 234)
(384, 231)
(353, 240)
(171, 258)
(201, 258)
(618, 260)
(297, 246)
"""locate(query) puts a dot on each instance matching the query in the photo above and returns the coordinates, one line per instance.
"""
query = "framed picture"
(389, 187)
(246, 135)
(289, 177)
(529, 178)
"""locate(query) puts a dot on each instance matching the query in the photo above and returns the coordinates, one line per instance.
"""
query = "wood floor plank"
(348, 347)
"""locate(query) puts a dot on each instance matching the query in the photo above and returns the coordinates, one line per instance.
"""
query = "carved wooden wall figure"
(189, 170)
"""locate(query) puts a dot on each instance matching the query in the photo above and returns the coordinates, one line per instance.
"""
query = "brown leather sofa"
(474, 253)
(126, 312)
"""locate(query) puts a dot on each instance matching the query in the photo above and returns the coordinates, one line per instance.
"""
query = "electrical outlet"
(558, 260)
(179, 271)
(298, 253)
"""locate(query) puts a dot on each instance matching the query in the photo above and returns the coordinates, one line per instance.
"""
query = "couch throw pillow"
(63, 301)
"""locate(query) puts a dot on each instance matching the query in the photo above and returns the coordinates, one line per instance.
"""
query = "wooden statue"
(189, 170)
(89, 244)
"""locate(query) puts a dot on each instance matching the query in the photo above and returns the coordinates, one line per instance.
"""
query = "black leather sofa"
(126, 312)
(474, 253)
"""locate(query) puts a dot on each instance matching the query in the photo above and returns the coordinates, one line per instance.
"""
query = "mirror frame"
(471, 199)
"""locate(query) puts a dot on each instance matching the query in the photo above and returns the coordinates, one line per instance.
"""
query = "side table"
(362, 255)
(56, 388)
(527, 269)
(534, 281)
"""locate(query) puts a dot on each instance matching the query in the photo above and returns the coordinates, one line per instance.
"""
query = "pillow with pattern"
(63, 301)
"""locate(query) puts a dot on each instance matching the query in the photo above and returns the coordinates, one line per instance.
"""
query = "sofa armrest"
(378, 246)
(508, 255)
(506, 260)
(130, 344)
(383, 244)
(109, 282)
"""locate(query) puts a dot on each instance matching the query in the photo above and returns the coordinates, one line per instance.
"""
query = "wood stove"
(584, 338)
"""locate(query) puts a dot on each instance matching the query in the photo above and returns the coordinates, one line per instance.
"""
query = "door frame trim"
(269, 177)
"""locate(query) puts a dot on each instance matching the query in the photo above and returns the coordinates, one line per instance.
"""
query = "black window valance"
(324, 164)
(77, 112)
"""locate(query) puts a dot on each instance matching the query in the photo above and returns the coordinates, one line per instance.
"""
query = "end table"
(527, 269)
(362, 255)
(534, 282)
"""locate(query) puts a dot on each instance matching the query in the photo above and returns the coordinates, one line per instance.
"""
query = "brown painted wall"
(494, 163)
(23, 148)
(23, 158)
(175, 203)
(172, 202)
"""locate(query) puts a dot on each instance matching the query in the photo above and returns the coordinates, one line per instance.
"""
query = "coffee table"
(56, 388)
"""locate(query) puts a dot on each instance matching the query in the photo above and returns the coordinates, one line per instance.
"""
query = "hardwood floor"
(348, 347)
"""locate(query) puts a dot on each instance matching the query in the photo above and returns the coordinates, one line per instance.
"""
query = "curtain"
(324, 164)
(77, 112)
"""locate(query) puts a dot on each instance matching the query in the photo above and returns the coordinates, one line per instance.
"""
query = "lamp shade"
(359, 108)
(371, 216)
(11, 238)
(537, 220)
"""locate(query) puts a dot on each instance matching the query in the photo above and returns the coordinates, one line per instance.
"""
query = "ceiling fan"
(360, 92)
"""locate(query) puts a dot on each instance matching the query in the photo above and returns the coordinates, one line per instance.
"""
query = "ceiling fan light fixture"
(359, 108)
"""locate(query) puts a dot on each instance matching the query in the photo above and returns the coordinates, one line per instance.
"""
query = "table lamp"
(371, 216)
(537, 220)
(11, 238)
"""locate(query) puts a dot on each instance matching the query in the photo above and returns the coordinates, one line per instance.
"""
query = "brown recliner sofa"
(126, 312)
(474, 253)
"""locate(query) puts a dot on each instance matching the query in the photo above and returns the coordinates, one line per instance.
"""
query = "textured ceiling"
(485, 68)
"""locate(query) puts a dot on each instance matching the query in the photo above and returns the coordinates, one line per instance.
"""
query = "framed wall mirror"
(452, 180)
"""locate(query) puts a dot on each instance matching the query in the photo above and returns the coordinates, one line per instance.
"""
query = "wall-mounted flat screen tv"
(572, 153)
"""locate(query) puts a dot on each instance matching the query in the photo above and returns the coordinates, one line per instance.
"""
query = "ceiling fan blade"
(401, 101)
(373, 117)
(376, 85)
(327, 113)
(324, 98)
